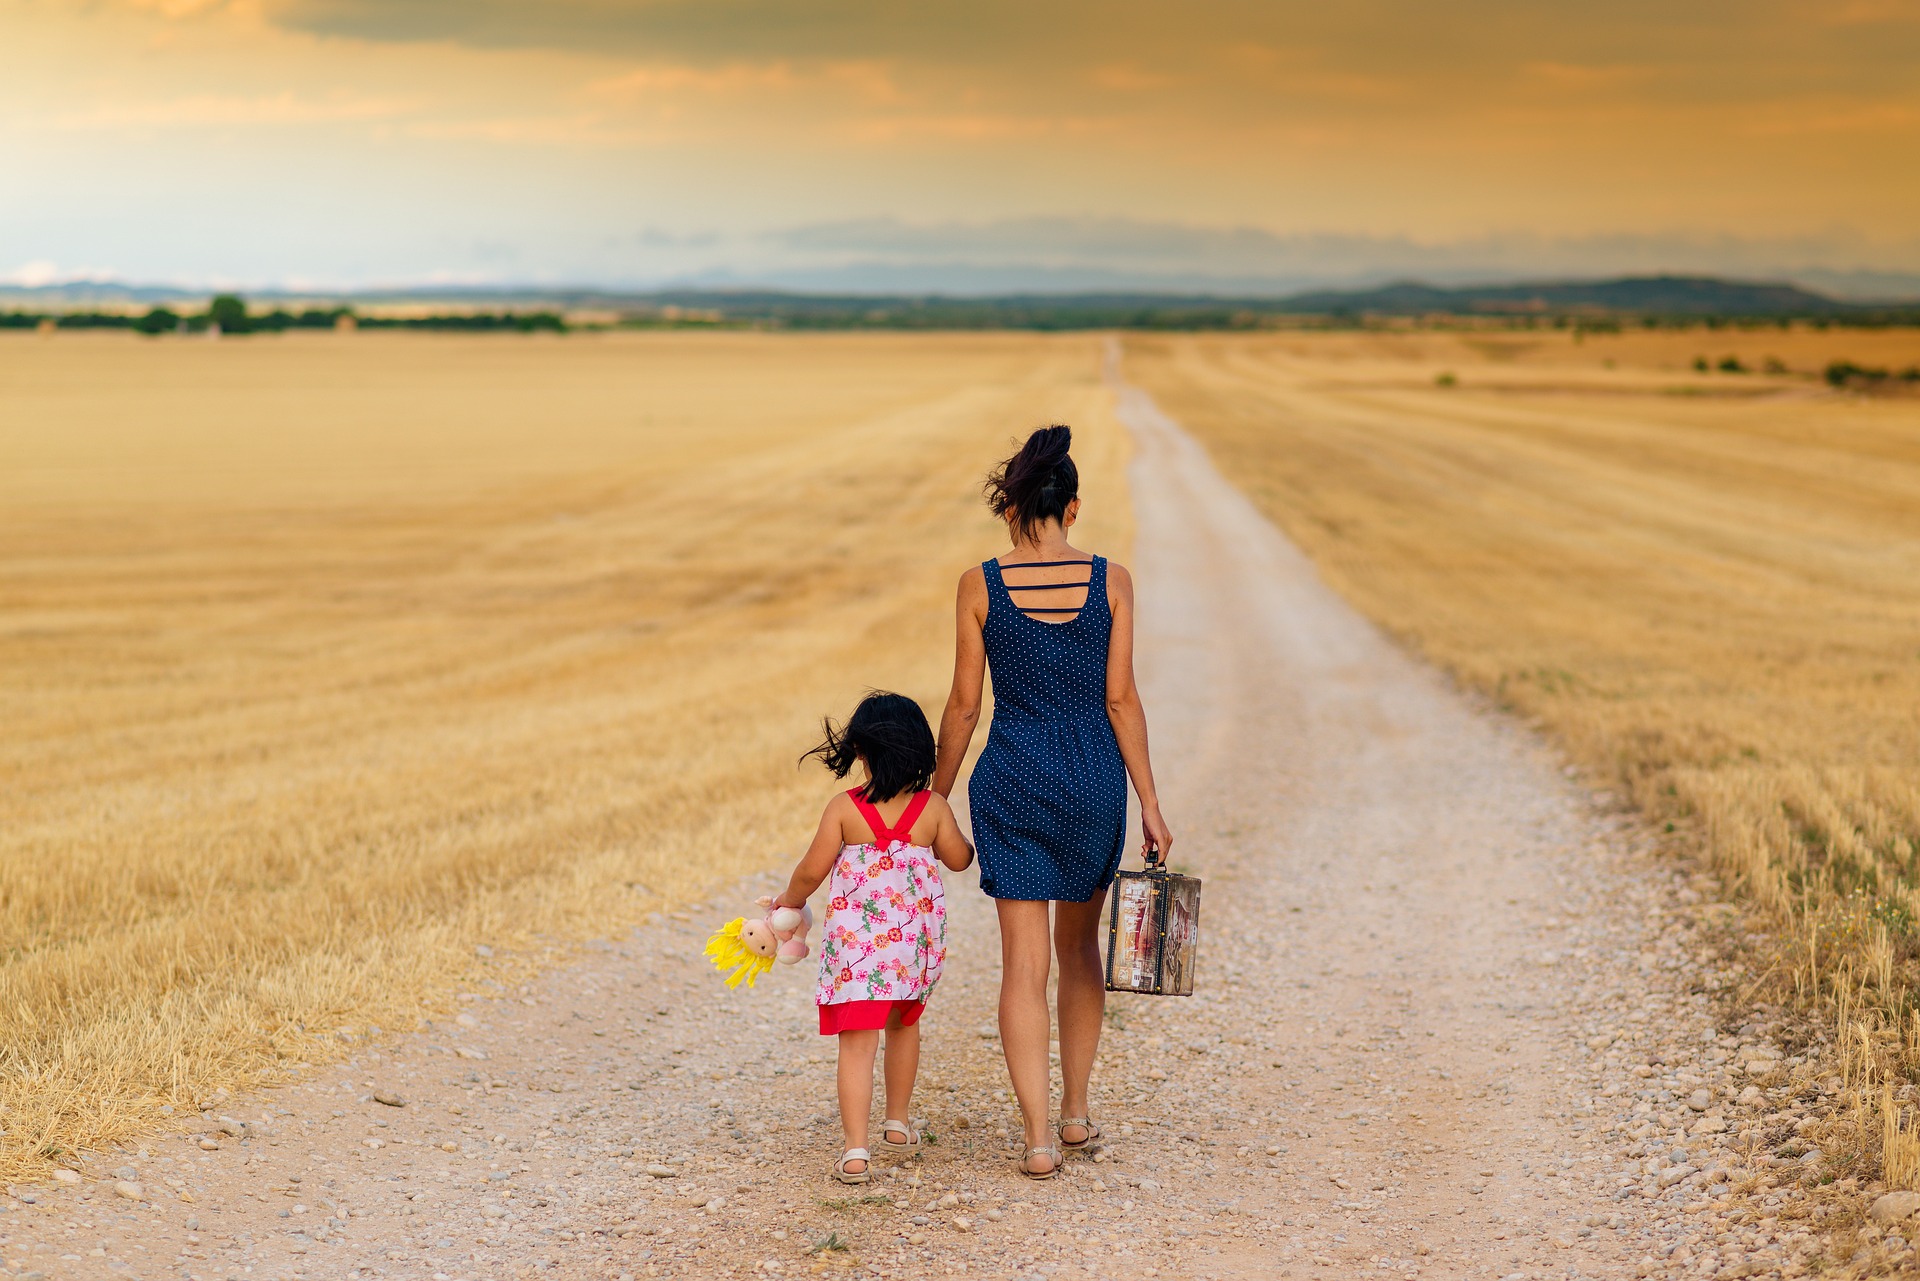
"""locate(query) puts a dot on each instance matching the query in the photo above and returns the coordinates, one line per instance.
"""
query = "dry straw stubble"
(325, 659)
(1706, 586)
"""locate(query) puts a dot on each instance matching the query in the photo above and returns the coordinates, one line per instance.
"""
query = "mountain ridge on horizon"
(1664, 293)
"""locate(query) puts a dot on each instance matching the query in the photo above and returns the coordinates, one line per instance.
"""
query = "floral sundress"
(885, 935)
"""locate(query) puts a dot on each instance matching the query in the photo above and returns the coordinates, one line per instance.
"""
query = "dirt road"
(1444, 1029)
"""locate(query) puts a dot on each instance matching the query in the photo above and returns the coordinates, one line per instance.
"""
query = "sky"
(1250, 144)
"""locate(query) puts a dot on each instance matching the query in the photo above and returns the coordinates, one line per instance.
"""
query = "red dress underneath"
(867, 1016)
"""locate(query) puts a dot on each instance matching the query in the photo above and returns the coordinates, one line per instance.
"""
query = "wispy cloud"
(202, 109)
(1578, 76)
(41, 273)
(177, 9)
(1129, 77)
(871, 82)
(1853, 13)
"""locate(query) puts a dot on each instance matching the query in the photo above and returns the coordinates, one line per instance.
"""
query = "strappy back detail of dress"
(1094, 578)
(902, 831)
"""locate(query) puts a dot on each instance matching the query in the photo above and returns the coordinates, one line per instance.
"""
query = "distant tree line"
(1846, 375)
(1598, 309)
(229, 312)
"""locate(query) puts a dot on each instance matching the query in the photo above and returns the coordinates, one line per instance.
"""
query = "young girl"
(885, 933)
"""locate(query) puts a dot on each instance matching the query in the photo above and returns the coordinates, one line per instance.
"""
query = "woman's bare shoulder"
(973, 590)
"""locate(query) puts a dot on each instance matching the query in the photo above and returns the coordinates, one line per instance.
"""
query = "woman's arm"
(817, 863)
(1128, 716)
(962, 714)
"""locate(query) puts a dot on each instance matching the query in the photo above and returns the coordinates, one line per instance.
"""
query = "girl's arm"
(949, 846)
(1128, 716)
(962, 714)
(817, 863)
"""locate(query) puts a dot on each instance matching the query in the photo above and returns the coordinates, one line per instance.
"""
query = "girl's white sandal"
(853, 1154)
(889, 1128)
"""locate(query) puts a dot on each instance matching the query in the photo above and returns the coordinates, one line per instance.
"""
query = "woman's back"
(1047, 670)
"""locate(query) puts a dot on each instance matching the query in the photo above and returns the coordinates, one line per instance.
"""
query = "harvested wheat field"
(1706, 586)
(492, 645)
(1448, 1016)
(326, 659)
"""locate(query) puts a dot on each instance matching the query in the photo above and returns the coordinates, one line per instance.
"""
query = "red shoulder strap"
(903, 830)
(872, 815)
(882, 834)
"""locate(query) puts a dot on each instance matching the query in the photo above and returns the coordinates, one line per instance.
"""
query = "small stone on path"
(1893, 1207)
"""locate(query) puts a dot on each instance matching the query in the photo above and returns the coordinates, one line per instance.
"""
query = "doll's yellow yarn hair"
(729, 953)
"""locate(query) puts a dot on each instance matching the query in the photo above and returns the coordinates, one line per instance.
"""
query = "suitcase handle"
(1151, 856)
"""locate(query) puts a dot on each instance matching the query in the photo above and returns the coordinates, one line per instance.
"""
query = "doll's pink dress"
(886, 927)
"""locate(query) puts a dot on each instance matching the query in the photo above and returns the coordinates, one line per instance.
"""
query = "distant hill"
(1663, 296)
(1667, 297)
(1637, 295)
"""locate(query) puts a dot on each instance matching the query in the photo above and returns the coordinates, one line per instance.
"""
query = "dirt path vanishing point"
(1444, 1030)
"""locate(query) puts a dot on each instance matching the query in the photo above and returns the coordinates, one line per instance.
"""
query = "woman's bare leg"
(856, 1088)
(1083, 1003)
(1025, 956)
(902, 1066)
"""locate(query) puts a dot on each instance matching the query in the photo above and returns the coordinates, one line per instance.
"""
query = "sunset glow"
(350, 141)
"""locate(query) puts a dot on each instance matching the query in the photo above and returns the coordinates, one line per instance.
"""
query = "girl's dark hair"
(1037, 483)
(892, 733)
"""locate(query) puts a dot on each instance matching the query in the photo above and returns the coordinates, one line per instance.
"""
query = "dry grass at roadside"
(325, 660)
(1706, 585)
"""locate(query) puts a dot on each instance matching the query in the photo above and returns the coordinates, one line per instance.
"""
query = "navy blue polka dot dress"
(1049, 794)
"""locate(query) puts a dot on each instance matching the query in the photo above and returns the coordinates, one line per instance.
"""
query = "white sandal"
(888, 1128)
(853, 1154)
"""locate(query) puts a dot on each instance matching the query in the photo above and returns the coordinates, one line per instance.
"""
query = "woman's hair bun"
(1038, 483)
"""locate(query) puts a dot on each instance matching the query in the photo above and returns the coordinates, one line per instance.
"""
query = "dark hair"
(891, 733)
(1037, 483)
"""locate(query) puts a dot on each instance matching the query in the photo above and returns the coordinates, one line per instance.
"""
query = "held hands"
(1158, 837)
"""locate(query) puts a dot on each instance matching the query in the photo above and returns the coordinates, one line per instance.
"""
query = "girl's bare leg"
(1025, 956)
(856, 1089)
(1083, 1003)
(902, 1066)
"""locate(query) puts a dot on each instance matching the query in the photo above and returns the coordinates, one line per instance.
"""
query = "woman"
(1049, 795)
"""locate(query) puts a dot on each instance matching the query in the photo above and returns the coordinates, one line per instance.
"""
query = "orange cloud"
(1570, 75)
(1127, 77)
(221, 109)
(731, 78)
(871, 81)
(1850, 13)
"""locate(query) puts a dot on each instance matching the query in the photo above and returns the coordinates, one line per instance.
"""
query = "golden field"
(1706, 586)
(327, 659)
